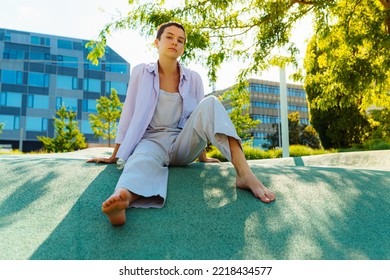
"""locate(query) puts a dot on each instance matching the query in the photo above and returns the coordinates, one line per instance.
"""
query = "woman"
(166, 121)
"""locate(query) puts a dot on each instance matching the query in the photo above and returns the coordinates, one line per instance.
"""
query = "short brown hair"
(161, 28)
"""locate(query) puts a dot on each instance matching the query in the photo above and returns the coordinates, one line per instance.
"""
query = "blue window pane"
(92, 85)
(38, 101)
(108, 87)
(35, 40)
(65, 44)
(86, 127)
(36, 124)
(69, 103)
(89, 105)
(89, 65)
(10, 122)
(68, 61)
(37, 56)
(44, 124)
(11, 77)
(38, 79)
(118, 68)
(64, 82)
(13, 54)
(10, 99)
(120, 87)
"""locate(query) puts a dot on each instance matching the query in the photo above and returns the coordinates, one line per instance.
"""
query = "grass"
(256, 153)
(300, 150)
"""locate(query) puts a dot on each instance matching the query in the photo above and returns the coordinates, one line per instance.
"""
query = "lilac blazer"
(141, 101)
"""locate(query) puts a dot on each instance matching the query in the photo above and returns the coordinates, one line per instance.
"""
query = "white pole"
(284, 113)
(21, 133)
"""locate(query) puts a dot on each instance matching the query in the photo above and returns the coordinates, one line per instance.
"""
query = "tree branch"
(305, 2)
(385, 3)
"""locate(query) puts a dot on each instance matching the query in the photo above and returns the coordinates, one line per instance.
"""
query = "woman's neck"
(167, 66)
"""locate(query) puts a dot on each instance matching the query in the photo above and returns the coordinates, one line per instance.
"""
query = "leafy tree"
(347, 65)
(298, 134)
(68, 137)
(104, 123)
(347, 62)
(238, 97)
(254, 31)
(380, 122)
(1, 127)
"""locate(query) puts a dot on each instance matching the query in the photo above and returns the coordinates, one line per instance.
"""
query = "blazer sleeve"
(129, 104)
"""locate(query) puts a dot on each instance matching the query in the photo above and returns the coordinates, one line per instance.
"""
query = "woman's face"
(172, 42)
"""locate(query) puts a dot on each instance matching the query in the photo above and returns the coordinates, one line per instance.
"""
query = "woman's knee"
(209, 102)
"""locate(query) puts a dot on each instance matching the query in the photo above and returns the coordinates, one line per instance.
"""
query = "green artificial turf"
(326, 208)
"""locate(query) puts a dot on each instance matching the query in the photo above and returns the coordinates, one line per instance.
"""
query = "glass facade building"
(39, 73)
(265, 106)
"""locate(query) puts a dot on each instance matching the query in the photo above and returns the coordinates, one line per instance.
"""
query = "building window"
(11, 122)
(116, 67)
(36, 124)
(92, 85)
(38, 79)
(266, 118)
(38, 101)
(11, 77)
(35, 40)
(67, 82)
(39, 56)
(65, 44)
(90, 66)
(69, 103)
(118, 86)
(67, 61)
(89, 105)
(86, 127)
(7, 36)
(13, 54)
(11, 99)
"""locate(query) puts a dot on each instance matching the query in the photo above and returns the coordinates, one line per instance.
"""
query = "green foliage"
(347, 62)
(238, 97)
(299, 134)
(380, 123)
(1, 127)
(340, 127)
(252, 153)
(219, 30)
(302, 150)
(67, 134)
(104, 123)
(347, 65)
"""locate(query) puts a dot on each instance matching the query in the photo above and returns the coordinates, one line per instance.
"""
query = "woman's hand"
(103, 160)
(203, 158)
(210, 160)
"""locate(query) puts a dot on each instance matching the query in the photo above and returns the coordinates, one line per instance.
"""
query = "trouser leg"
(208, 122)
(146, 174)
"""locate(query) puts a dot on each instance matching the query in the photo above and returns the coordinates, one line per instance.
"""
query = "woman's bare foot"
(115, 206)
(245, 178)
(250, 182)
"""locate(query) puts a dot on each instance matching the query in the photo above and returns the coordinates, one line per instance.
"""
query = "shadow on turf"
(320, 213)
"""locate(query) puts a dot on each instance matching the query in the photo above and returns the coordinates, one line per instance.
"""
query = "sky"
(84, 19)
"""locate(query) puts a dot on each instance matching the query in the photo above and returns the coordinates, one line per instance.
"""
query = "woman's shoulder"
(139, 68)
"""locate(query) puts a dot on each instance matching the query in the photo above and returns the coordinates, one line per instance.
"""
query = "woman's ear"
(156, 41)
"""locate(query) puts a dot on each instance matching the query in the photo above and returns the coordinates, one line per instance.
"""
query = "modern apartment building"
(39, 73)
(265, 106)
